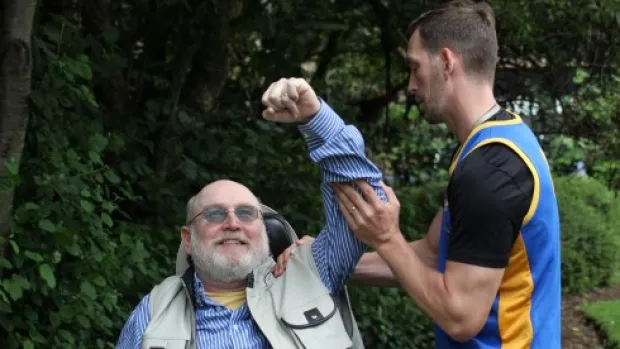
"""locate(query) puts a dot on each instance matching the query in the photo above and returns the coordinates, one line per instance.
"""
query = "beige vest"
(293, 311)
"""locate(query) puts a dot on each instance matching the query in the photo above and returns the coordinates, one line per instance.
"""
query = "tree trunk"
(15, 71)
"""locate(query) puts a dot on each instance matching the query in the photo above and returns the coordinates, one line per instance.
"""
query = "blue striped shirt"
(339, 151)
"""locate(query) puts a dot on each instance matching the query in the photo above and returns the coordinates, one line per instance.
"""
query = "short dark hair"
(465, 26)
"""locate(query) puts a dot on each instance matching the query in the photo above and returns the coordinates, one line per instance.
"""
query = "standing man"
(488, 271)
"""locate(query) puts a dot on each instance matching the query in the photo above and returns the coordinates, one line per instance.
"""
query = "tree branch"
(15, 74)
(327, 55)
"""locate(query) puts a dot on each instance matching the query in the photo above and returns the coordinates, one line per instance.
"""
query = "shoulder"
(495, 177)
(494, 163)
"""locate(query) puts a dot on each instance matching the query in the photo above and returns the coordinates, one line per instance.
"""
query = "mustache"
(230, 236)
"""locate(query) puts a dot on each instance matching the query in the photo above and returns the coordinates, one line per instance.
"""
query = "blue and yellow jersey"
(526, 310)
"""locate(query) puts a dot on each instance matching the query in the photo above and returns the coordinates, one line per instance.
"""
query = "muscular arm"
(488, 198)
(372, 270)
(339, 151)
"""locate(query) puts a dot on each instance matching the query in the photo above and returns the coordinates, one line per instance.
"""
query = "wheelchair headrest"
(280, 233)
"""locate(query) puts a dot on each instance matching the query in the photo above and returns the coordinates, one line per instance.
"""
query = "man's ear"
(185, 237)
(448, 61)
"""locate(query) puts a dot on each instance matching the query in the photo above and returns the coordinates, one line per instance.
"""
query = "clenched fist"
(290, 100)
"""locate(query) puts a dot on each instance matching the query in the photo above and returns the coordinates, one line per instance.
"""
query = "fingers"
(283, 258)
(281, 100)
(290, 96)
(275, 94)
(345, 209)
(369, 193)
(348, 207)
(389, 192)
(290, 105)
(294, 88)
(352, 195)
(265, 97)
(276, 115)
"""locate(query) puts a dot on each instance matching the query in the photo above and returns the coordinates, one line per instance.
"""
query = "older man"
(229, 298)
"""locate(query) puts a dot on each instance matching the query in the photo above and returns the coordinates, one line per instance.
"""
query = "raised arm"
(339, 151)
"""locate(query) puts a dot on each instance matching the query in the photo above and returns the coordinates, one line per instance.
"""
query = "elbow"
(464, 330)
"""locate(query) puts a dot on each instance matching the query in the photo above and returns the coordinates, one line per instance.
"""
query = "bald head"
(223, 193)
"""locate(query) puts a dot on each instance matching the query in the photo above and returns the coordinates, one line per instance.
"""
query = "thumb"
(277, 115)
(389, 192)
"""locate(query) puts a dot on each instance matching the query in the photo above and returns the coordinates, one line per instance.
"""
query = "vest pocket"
(154, 343)
(317, 324)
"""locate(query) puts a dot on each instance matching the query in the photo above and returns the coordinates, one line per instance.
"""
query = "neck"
(471, 103)
(215, 287)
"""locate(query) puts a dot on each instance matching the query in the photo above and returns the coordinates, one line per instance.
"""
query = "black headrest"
(279, 238)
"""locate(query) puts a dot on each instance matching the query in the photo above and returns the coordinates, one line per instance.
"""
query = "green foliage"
(588, 211)
(387, 318)
(67, 267)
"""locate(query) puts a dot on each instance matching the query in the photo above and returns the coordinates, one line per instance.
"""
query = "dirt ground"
(577, 331)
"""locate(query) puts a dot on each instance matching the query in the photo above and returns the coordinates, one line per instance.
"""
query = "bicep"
(472, 289)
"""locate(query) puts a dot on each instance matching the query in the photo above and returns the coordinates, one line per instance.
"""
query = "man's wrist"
(322, 126)
(316, 108)
(395, 245)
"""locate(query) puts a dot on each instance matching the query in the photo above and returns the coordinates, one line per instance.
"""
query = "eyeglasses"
(219, 214)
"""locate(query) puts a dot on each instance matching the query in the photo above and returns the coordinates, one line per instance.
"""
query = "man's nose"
(231, 222)
(412, 86)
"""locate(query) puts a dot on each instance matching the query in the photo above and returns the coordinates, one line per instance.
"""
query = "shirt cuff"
(323, 126)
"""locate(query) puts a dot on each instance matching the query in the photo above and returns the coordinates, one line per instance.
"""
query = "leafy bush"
(588, 211)
(75, 262)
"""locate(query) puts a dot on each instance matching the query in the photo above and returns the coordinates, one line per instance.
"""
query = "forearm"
(426, 286)
(372, 270)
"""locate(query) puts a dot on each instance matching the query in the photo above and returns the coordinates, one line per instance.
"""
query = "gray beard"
(214, 267)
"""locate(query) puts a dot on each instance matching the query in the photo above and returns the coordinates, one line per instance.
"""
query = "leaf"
(47, 225)
(28, 344)
(14, 245)
(108, 206)
(31, 206)
(99, 281)
(11, 167)
(98, 142)
(95, 158)
(88, 289)
(67, 336)
(86, 206)
(48, 275)
(82, 69)
(107, 220)
(14, 288)
(5, 264)
(112, 177)
(34, 256)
